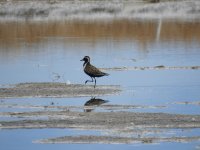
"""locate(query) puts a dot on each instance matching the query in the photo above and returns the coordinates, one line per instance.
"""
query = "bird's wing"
(92, 70)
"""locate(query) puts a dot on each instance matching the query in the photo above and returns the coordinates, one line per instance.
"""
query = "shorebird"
(91, 70)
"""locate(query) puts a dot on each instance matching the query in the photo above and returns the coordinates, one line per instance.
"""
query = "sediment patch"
(56, 89)
(101, 120)
(161, 67)
(115, 127)
(115, 140)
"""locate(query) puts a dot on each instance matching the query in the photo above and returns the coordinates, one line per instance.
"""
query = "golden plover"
(91, 70)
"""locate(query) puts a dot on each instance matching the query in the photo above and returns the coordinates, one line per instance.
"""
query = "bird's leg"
(94, 82)
(89, 80)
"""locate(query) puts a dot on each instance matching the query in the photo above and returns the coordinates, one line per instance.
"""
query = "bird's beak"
(81, 60)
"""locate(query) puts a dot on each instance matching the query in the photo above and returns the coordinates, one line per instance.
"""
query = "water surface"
(50, 51)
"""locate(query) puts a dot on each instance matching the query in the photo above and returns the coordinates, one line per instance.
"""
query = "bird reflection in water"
(93, 102)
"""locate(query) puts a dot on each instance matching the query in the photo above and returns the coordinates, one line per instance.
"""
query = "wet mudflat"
(135, 127)
(102, 120)
(150, 100)
(52, 89)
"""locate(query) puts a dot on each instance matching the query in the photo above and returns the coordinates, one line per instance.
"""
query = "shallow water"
(50, 51)
(24, 138)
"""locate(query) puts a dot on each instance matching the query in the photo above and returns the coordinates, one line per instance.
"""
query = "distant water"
(92, 10)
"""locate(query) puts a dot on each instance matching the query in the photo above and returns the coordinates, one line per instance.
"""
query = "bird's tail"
(106, 74)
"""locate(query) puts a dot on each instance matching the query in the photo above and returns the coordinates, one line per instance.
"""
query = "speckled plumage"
(91, 70)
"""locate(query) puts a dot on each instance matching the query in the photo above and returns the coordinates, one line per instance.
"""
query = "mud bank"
(114, 127)
(115, 140)
(119, 121)
(161, 67)
(53, 89)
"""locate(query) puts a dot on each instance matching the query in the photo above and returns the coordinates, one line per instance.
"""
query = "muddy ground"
(116, 123)
(116, 127)
(56, 89)
(100, 120)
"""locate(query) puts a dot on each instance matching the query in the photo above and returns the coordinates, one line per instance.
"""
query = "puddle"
(88, 108)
